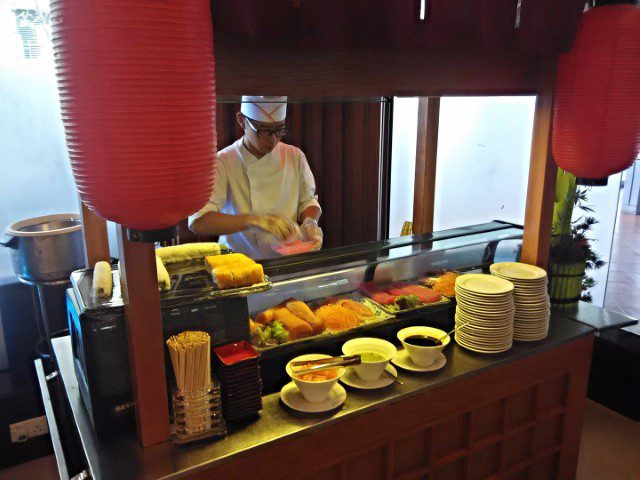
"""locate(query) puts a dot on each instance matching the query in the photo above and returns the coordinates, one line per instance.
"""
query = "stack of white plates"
(484, 313)
(531, 299)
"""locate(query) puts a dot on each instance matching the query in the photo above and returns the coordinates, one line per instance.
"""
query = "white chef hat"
(264, 109)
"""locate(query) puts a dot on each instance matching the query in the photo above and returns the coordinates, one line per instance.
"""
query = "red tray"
(294, 248)
(233, 353)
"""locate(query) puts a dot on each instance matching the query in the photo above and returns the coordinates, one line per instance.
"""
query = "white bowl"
(370, 371)
(313, 392)
(423, 356)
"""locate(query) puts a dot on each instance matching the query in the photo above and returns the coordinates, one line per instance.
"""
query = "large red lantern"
(137, 93)
(596, 123)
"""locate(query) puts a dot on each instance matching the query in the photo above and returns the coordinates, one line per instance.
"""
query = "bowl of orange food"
(314, 386)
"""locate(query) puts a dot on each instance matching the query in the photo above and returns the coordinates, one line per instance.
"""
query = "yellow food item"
(296, 327)
(445, 285)
(253, 328)
(337, 318)
(255, 274)
(102, 280)
(302, 310)
(188, 251)
(223, 277)
(164, 280)
(266, 317)
(215, 261)
(358, 308)
(234, 270)
(237, 276)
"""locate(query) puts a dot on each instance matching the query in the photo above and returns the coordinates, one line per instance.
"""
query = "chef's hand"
(311, 231)
(283, 228)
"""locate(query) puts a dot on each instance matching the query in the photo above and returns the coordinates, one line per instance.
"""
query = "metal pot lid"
(47, 225)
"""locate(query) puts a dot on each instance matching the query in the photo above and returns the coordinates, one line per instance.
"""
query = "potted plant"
(571, 253)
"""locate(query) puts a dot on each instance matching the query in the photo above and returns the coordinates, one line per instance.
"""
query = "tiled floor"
(623, 284)
(42, 469)
(609, 446)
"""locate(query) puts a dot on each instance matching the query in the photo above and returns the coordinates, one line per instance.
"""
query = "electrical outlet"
(23, 431)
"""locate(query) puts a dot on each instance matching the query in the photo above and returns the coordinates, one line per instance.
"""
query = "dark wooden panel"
(426, 157)
(333, 174)
(451, 25)
(367, 73)
(431, 435)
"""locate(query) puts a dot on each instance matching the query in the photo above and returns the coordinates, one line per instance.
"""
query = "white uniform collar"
(249, 158)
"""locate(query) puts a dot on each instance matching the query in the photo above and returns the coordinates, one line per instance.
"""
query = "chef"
(264, 193)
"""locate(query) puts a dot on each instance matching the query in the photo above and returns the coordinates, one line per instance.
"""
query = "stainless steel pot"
(45, 249)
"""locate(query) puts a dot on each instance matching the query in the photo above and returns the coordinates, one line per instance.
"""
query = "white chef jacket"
(280, 182)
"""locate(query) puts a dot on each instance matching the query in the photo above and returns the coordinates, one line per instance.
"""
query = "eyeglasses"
(266, 133)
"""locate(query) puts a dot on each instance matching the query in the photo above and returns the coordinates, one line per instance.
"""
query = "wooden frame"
(542, 170)
(521, 420)
(370, 72)
(426, 154)
(341, 73)
(139, 284)
(541, 188)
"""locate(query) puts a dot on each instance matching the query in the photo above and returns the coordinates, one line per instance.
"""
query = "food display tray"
(274, 359)
(422, 281)
(443, 300)
(190, 281)
(191, 278)
(381, 316)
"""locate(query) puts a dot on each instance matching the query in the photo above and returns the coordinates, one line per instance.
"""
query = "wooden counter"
(513, 415)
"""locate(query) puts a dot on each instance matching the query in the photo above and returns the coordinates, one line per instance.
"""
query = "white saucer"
(352, 379)
(403, 360)
(292, 398)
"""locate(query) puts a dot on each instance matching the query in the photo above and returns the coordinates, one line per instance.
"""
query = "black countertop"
(599, 318)
(122, 456)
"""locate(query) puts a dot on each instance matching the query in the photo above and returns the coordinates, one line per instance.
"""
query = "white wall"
(403, 163)
(36, 176)
(483, 165)
(484, 145)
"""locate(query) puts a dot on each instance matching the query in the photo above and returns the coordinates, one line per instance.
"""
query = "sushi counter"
(252, 394)
(512, 415)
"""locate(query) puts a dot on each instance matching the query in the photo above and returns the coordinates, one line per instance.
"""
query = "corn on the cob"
(164, 281)
(188, 251)
(102, 280)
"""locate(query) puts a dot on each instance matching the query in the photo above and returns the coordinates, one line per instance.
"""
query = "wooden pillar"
(96, 240)
(139, 284)
(542, 173)
(426, 153)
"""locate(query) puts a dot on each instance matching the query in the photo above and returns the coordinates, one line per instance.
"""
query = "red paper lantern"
(596, 123)
(137, 93)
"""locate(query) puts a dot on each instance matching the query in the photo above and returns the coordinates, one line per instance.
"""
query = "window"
(36, 175)
(482, 169)
(28, 22)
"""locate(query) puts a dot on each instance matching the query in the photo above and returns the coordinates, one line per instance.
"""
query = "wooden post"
(96, 240)
(542, 174)
(139, 283)
(426, 153)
